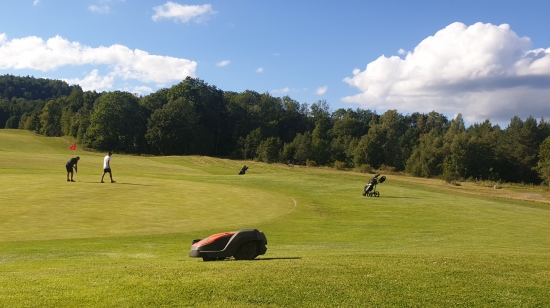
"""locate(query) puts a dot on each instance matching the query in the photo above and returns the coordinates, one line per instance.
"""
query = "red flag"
(73, 147)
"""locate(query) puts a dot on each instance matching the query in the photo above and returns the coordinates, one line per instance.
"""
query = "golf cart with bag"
(243, 170)
(370, 188)
(245, 244)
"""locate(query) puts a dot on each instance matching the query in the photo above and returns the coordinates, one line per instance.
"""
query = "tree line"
(194, 118)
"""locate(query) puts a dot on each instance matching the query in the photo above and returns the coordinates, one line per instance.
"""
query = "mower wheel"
(247, 251)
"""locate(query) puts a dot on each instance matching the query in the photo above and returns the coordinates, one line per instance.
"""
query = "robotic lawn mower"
(245, 244)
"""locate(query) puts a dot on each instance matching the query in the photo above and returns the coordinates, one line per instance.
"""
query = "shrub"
(364, 168)
(339, 165)
(387, 169)
(451, 177)
(311, 163)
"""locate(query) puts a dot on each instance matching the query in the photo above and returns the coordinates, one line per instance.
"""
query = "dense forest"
(194, 118)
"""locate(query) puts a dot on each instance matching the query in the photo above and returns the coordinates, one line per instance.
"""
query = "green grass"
(421, 244)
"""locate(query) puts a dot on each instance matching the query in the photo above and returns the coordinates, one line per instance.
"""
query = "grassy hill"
(421, 243)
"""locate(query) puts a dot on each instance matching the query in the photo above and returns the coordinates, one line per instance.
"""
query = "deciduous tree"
(117, 124)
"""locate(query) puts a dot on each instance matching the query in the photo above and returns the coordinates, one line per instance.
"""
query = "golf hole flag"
(73, 147)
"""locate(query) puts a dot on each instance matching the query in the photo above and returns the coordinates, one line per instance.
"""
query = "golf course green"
(422, 243)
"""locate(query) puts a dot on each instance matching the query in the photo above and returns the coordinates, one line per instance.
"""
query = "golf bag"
(370, 188)
(243, 170)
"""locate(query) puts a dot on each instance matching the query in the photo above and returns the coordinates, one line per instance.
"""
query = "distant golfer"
(72, 163)
(107, 167)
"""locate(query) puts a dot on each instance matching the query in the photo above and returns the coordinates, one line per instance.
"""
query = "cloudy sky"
(483, 59)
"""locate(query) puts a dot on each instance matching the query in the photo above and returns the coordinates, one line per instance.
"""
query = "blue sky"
(483, 59)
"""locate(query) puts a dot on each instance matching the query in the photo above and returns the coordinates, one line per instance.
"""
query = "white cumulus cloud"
(121, 62)
(287, 90)
(284, 90)
(483, 71)
(321, 90)
(223, 63)
(142, 90)
(182, 12)
(102, 9)
(94, 82)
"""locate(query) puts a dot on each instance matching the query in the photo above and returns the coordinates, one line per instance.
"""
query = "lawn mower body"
(245, 244)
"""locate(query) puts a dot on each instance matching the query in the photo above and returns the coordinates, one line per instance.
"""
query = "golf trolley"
(370, 188)
(243, 170)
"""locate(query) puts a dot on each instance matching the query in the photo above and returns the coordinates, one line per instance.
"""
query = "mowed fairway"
(423, 243)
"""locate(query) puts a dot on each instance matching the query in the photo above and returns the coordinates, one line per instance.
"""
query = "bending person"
(72, 163)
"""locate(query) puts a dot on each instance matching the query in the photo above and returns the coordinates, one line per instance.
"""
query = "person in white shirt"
(107, 167)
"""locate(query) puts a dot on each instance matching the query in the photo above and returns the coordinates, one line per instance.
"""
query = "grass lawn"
(422, 243)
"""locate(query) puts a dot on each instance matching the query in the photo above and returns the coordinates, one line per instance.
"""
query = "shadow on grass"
(118, 183)
(393, 197)
(132, 184)
(285, 258)
(261, 259)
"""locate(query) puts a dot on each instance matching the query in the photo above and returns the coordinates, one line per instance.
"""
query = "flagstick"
(74, 155)
(76, 171)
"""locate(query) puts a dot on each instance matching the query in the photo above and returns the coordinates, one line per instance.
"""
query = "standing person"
(107, 167)
(72, 163)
